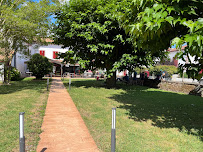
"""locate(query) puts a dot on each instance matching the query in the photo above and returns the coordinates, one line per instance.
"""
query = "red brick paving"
(63, 128)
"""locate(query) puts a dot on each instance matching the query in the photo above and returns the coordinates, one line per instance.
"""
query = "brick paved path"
(63, 128)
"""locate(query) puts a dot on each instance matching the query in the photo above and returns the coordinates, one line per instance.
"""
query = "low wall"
(177, 87)
(187, 88)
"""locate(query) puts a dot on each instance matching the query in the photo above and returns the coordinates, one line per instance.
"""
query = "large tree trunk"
(7, 65)
(111, 82)
(9, 73)
(7, 70)
(5, 73)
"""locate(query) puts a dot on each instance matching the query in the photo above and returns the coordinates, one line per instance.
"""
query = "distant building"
(173, 60)
(50, 51)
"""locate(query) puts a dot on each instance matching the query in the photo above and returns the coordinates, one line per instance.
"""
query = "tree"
(158, 24)
(39, 66)
(92, 31)
(22, 23)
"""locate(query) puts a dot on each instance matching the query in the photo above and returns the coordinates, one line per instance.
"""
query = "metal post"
(183, 76)
(61, 71)
(47, 84)
(113, 131)
(69, 83)
(21, 132)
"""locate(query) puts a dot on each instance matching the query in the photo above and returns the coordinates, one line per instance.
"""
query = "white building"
(176, 62)
(50, 51)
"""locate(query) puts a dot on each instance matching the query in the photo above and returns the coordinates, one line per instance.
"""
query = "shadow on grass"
(23, 85)
(164, 109)
(85, 83)
(92, 83)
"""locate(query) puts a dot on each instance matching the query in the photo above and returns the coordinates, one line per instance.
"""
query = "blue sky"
(52, 17)
(174, 46)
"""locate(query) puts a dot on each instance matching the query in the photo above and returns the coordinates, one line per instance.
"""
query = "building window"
(41, 52)
(55, 54)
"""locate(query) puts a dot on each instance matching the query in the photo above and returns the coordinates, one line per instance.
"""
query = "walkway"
(63, 128)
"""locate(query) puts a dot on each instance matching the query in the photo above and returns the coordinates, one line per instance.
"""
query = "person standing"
(135, 78)
(142, 79)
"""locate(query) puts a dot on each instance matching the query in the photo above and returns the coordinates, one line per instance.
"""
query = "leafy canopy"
(154, 23)
(92, 31)
(23, 22)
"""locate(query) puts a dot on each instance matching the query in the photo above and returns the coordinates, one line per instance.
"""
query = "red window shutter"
(41, 52)
(55, 54)
(175, 62)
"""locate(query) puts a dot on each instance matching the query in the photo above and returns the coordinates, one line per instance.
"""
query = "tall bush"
(170, 69)
(39, 66)
(15, 74)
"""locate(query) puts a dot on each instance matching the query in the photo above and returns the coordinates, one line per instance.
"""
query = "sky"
(53, 20)
(174, 46)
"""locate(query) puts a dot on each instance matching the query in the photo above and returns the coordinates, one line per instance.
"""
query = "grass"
(149, 120)
(29, 96)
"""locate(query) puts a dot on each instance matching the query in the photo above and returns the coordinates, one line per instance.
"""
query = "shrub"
(142, 69)
(170, 69)
(39, 66)
(15, 74)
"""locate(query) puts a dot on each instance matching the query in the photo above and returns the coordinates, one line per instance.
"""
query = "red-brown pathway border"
(63, 128)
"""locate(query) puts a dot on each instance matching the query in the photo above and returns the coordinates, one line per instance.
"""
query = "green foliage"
(23, 22)
(169, 69)
(93, 32)
(153, 24)
(88, 28)
(140, 69)
(192, 70)
(39, 66)
(15, 74)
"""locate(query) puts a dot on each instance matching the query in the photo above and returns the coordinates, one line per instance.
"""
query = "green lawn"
(147, 119)
(29, 96)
